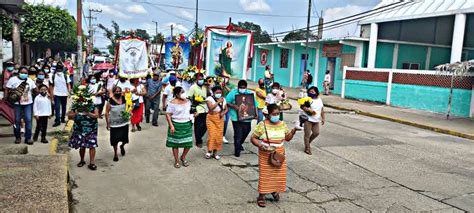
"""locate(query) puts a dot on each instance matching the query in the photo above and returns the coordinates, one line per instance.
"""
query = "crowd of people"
(191, 109)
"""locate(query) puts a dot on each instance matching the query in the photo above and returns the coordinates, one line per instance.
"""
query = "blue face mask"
(274, 118)
(200, 82)
(46, 70)
(311, 95)
(218, 95)
(10, 68)
(242, 90)
(23, 76)
(93, 81)
(41, 77)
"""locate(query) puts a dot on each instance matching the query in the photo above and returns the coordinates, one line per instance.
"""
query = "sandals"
(276, 196)
(261, 202)
(176, 165)
(185, 163)
(208, 155)
(81, 164)
(92, 167)
(134, 130)
(308, 151)
(139, 128)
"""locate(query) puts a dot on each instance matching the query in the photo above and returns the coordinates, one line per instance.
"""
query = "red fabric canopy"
(103, 66)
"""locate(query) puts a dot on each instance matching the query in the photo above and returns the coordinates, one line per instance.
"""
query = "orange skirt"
(215, 128)
(270, 178)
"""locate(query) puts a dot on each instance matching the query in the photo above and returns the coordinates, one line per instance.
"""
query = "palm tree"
(455, 69)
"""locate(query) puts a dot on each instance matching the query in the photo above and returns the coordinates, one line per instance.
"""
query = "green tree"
(259, 35)
(44, 27)
(97, 51)
(138, 33)
(298, 35)
(112, 34)
(160, 38)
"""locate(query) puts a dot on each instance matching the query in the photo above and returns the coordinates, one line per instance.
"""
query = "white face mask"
(274, 91)
(182, 96)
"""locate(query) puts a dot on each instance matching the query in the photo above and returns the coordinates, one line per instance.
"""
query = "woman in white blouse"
(315, 113)
(180, 131)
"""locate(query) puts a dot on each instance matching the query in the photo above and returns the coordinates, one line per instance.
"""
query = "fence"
(418, 89)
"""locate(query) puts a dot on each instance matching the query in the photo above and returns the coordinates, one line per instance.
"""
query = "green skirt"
(182, 137)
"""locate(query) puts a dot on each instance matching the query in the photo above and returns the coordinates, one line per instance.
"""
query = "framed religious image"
(246, 107)
(284, 58)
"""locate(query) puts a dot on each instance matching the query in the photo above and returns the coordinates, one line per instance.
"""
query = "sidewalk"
(461, 127)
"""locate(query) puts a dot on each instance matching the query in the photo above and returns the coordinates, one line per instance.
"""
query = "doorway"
(304, 58)
(331, 67)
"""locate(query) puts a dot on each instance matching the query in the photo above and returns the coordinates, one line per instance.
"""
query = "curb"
(410, 123)
(401, 121)
(53, 147)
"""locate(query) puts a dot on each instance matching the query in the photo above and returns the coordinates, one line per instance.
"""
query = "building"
(393, 61)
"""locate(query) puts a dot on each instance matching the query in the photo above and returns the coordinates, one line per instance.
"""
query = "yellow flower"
(198, 98)
(128, 102)
(301, 101)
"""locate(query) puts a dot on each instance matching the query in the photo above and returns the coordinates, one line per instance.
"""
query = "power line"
(369, 12)
(220, 11)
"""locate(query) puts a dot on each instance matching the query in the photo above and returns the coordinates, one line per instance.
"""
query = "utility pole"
(307, 36)
(154, 48)
(196, 23)
(171, 31)
(320, 26)
(79, 35)
(90, 45)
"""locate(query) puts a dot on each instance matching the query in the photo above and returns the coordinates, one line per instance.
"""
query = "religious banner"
(177, 54)
(228, 51)
(132, 58)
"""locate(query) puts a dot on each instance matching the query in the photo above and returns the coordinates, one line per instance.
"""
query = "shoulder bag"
(275, 159)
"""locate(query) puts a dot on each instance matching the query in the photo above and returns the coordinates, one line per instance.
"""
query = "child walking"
(42, 112)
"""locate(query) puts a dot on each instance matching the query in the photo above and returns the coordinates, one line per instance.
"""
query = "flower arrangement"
(306, 101)
(198, 99)
(126, 115)
(82, 99)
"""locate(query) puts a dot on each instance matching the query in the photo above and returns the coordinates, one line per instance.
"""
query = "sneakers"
(22, 130)
(298, 125)
(225, 140)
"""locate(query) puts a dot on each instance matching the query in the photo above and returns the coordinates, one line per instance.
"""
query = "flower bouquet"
(126, 115)
(285, 104)
(82, 99)
(305, 105)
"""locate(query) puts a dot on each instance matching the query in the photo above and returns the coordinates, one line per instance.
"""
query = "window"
(284, 58)
(410, 66)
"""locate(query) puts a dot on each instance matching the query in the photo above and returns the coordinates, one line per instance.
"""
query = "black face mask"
(261, 85)
(117, 95)
(122, 80)
(173, 83)
(43, 94)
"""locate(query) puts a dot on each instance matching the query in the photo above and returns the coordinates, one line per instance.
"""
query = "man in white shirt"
(123, 83)
(60, 87)
(23, 107)
(168, 92)
(327, 82)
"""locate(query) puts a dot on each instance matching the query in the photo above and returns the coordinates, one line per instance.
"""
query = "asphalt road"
(359, 164)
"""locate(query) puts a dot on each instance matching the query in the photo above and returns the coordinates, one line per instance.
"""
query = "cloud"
(59, 3)
(255, 6)
(340, 12)
(187, 15)
(136, 8)
(108, 10)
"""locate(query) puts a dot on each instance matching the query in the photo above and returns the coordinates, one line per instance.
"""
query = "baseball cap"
(172, 78)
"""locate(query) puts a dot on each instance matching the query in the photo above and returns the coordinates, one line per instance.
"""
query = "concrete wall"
(384, 56)
(366, 90)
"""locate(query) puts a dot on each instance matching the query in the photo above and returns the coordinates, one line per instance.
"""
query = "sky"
(132, 14)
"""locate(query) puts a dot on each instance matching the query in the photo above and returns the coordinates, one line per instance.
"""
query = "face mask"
(143, 81)
(117, 95)
(182, 96)
(41, 77)
(274, 118)
(122, 80)
(242, 90)
(311, 95)
(23, 76)
(173, 83)
(54, 64)
(261, 86)
(46, 70)
(10, 68)
(93, 81)
(218, 95)
(43, 94)
(274, 91)
(200, 82)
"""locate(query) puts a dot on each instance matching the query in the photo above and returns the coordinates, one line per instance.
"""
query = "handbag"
(275, 159)
(14, 95)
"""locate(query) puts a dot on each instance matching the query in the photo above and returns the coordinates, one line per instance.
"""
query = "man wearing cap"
(199, 90)
(60, 87)
(154, 86)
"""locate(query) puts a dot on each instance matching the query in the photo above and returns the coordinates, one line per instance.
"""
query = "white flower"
(82, 87)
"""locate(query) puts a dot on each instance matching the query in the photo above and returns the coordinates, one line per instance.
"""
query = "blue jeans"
(226, 121)
(60, 102)
(25, 112)
(259, 115)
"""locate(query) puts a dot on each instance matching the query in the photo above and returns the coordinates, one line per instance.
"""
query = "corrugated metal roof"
(419, 9)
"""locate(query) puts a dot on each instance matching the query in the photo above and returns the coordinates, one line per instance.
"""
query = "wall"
(411, 54)
(366, 90)
(384, 56)
(433, 99)
(439, 56)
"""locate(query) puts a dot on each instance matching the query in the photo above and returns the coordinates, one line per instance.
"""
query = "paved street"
(359, 164)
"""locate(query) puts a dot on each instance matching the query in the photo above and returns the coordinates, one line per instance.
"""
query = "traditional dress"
(84, 133)
(137, 113)
(118, 124)
(181, 119)
(215, 126)
(271, 179)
